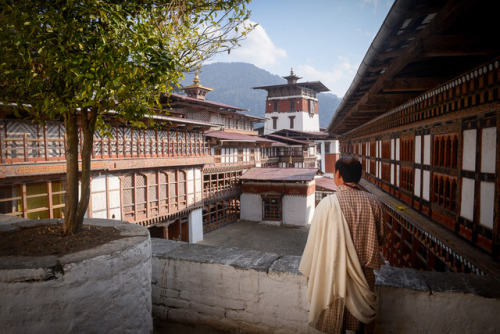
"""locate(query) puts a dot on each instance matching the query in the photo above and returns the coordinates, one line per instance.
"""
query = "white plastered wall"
(302, 122)
(487, 189)
(100, 202)
(469, 150)
(467, 204)
(195, 225)
(251, 207)
(293, 209)
(488, 150)
(198, 185)
(194, 185)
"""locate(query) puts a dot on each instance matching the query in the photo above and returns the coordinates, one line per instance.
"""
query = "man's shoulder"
(361, 195)
(372, 199)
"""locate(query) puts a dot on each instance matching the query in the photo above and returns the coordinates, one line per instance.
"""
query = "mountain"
(233, 84)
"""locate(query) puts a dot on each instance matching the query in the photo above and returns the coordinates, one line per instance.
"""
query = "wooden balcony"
(24, 142)
(28, 149)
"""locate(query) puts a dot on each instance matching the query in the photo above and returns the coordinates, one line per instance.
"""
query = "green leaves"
(64, 56)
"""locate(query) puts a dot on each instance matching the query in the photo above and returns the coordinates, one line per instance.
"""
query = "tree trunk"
(88, 127)
(75, 208)
(71, 224)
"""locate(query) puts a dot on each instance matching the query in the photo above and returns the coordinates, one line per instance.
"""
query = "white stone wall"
(251, 207)
(229, 289)
(302, 121)
(431, 302)
(256, 292)
(293, 209)
(103, 290)
(196, 225)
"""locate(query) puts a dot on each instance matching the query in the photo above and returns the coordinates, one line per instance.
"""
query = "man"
(341, 253)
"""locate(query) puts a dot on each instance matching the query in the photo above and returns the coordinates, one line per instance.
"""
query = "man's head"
(349, 170)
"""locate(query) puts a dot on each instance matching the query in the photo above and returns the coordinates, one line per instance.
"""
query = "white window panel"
(397, 176)
(487, 204)
(392, 149)
(418, 149)
(427, 149)
(392, 174)
(467, 202)
(397, 149)
(469, 150)
(417, 182)
(488, 150)
(426, 185)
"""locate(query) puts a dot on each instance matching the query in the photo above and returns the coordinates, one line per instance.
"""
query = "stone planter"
(102, 290)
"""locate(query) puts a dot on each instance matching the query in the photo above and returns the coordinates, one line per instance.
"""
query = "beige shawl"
(331, 264)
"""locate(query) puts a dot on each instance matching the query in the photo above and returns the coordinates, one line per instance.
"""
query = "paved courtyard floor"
(282, 240)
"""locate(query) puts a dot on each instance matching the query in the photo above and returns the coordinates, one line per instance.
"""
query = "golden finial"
(291, 71)
(196, 80)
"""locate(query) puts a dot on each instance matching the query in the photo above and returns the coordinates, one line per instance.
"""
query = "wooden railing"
(25, 142)
(235, 159)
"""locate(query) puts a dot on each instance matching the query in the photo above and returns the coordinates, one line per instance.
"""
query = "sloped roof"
(182, 100)
(314, 85)
(420, 45)
(279, 174)
(192, 100)
(288, 139)
(301, 134)
(327, 183)
(182, 120)
(237, 137)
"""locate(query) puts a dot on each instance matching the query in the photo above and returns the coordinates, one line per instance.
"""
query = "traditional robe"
(330, 262)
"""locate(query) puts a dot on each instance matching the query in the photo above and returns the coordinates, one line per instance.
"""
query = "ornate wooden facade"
(424, 120)
(140, 176)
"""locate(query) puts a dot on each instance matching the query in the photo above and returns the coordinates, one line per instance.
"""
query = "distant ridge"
(232, 84)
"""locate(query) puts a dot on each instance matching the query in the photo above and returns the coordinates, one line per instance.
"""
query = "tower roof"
(317, 86)
(292, 79)
(196, 90)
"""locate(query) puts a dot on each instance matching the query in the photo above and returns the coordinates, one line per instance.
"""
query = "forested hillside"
(233, 84)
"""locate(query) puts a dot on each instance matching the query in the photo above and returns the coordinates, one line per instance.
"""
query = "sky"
(322, 40)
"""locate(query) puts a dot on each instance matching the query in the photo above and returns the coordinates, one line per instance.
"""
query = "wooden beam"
(410, 84)
(459, 45)
(388, 99)
(373, 108)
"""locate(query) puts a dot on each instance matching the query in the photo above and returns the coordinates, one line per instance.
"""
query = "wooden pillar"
(1, 143)
(49, 199)
(25, 146)
(25, 200)
(45, 144)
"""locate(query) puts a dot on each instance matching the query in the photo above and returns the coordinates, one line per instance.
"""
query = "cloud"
(373, 3)
(257, 49)
(376, 4)
(337, 79)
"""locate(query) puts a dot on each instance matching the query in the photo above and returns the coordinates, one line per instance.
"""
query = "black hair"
(349, 168)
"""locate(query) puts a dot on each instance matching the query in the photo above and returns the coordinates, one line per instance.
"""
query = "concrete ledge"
(228, 288)
(257, 292)
(431, 302)
(105, 289)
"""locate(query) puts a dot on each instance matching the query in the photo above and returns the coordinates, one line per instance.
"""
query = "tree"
(77, 60)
